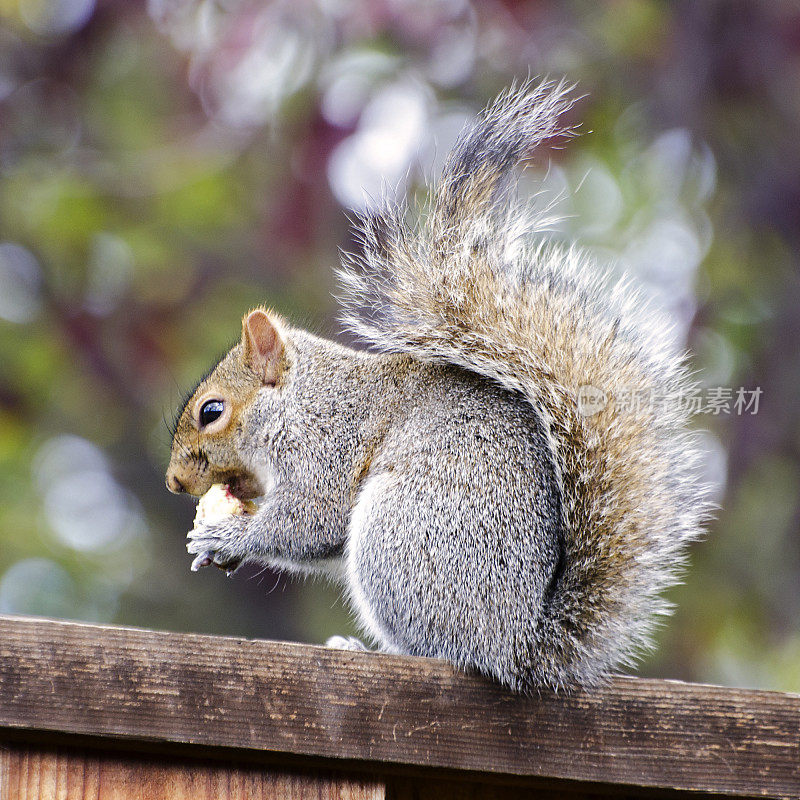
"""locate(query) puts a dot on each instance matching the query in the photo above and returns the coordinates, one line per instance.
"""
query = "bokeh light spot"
(55, 17)
(20, 283)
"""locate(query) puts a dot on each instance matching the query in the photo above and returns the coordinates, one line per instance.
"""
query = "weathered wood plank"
(30, 773)
(283, 698)
(437, 789)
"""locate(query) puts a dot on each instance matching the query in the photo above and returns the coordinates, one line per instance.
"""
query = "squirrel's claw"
(212, 545)
(202, 560)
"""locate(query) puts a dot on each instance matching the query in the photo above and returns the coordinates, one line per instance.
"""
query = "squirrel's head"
(208, 427)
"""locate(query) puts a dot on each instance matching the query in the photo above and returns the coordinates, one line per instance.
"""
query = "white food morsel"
(218, 503)
(215, 506)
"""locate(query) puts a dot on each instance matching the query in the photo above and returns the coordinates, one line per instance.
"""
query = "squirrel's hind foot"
(346, 643)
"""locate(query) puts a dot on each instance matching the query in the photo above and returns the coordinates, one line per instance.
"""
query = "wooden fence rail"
(116, 713)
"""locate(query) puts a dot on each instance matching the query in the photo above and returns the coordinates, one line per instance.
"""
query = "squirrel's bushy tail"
(467, 283)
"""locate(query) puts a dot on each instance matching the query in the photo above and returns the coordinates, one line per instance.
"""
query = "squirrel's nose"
(174, 485)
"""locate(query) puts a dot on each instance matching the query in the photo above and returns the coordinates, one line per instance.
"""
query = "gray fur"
(447, 477)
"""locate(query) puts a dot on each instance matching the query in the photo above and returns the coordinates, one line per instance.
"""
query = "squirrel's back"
(469, 285)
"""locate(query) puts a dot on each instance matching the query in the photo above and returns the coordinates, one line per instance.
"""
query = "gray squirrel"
(474, 506)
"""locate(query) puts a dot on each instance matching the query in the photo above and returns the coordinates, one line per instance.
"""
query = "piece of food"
(218, 503)
(214, 506)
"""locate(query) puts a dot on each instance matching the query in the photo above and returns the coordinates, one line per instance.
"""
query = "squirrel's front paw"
(218, 544)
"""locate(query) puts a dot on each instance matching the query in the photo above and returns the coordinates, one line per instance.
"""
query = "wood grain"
(380, 710)
(28, 773)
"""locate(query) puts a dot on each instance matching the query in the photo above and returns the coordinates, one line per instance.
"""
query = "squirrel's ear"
(263, 346)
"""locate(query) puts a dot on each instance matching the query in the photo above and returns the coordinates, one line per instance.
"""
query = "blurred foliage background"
(166, 165)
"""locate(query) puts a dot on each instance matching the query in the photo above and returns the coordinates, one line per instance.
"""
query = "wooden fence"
(102, 713)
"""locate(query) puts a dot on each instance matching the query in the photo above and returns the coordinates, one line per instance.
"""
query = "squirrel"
(451, 477)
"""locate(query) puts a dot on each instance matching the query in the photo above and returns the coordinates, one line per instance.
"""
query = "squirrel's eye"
(210, 411)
